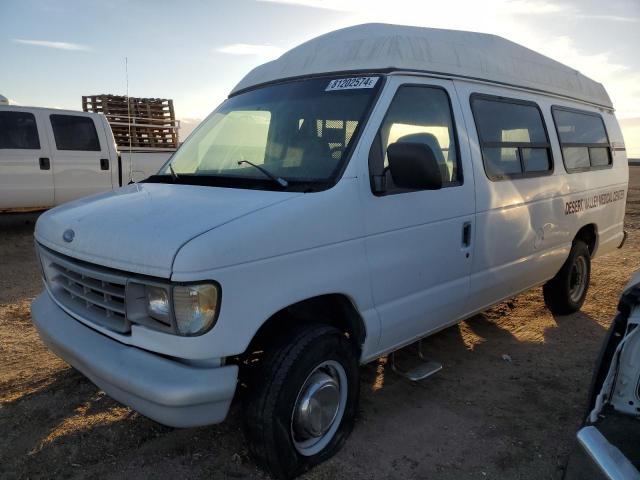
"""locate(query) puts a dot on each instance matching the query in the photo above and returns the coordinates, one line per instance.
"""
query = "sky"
(195, 51)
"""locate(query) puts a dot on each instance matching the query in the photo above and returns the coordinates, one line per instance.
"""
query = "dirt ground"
(506, 405)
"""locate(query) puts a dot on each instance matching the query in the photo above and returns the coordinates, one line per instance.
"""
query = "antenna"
(126, 73)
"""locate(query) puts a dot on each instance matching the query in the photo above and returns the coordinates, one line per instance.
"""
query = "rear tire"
(284, 437)
(565, 293)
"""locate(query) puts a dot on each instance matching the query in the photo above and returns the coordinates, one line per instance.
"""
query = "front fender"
(309, 246)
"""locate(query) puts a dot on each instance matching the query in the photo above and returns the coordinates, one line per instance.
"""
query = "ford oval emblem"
(68, 235)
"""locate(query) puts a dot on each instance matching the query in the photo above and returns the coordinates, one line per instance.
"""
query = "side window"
(18, 130)
(74, 132)
(513, 137)
(417, 114)
(583, 139)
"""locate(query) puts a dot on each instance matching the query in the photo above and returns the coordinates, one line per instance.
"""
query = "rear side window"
(513, 137)
(583, 139)
(73, 132)
(18, 130)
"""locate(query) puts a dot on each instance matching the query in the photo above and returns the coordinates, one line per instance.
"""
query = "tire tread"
(263, 396)
(555, 291)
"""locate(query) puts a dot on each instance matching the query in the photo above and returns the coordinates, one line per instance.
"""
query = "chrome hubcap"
(577, 279)
(319, 408)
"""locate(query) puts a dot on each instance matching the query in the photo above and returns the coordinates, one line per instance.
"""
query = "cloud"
(529, 7)
(261, 52)
(49, 44)
(251, 49)
(337, 5)
(609, 18)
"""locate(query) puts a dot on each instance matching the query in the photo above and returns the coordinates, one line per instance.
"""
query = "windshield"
(299, 131)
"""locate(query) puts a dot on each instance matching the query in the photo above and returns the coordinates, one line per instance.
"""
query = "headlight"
(186, 310)
(195, 308)
(158, 304)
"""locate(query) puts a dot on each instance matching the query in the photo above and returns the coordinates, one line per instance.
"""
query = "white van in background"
(50, 156)
(368, 188)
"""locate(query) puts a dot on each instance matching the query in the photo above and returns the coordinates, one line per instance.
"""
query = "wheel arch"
(335, 309)
(588, 234)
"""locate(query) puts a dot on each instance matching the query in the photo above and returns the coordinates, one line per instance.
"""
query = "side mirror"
(414, 166)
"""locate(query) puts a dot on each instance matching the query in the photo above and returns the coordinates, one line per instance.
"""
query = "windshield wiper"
(279, 180)
(174, 175)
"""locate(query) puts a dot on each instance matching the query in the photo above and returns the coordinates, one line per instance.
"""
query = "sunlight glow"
(521, 21)
(378, 383)
(83, 419)
(470, 339)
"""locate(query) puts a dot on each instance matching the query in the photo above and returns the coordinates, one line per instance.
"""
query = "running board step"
(423, 370)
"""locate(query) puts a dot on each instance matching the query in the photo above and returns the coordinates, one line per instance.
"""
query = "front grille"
(93, 293)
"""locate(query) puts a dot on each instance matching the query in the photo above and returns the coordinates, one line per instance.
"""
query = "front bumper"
(162, 389)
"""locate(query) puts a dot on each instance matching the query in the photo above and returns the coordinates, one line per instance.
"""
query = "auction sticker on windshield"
(351, 83)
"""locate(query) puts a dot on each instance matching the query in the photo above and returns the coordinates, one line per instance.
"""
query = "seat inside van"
(309, 151)
(432, 142)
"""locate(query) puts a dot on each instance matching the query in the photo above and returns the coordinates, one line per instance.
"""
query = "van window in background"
(583, 139)
(418, 114)
(299, 131)
(73, 132)
(513, 138)
(18, 130)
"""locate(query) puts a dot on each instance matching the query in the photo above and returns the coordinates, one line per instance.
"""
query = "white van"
(368, 188)
(50, 156)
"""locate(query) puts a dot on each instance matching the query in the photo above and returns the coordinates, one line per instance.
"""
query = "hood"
(141, 227)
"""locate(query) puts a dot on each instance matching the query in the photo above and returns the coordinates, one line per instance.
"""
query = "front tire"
(565, 293)
(302, 402)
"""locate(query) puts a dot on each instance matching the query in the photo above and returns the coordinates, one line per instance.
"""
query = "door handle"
(104, 164)
(45, 164)
(466, 234)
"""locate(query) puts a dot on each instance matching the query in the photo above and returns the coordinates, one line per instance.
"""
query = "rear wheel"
(565, 293)
(302, 402)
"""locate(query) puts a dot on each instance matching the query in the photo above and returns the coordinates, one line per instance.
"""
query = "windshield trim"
(312, 76)
(240, 182)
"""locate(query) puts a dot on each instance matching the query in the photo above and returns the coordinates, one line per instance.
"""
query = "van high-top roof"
(376, 47)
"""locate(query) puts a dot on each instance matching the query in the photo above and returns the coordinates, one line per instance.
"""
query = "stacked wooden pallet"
(137, 123)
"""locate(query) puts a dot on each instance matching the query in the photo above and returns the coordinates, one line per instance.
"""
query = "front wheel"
(303, 402)
(565, 293)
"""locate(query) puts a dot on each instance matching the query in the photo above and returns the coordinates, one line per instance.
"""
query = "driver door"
(419, 243)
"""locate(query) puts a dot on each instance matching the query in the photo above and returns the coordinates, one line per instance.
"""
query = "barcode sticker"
(351, 83)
